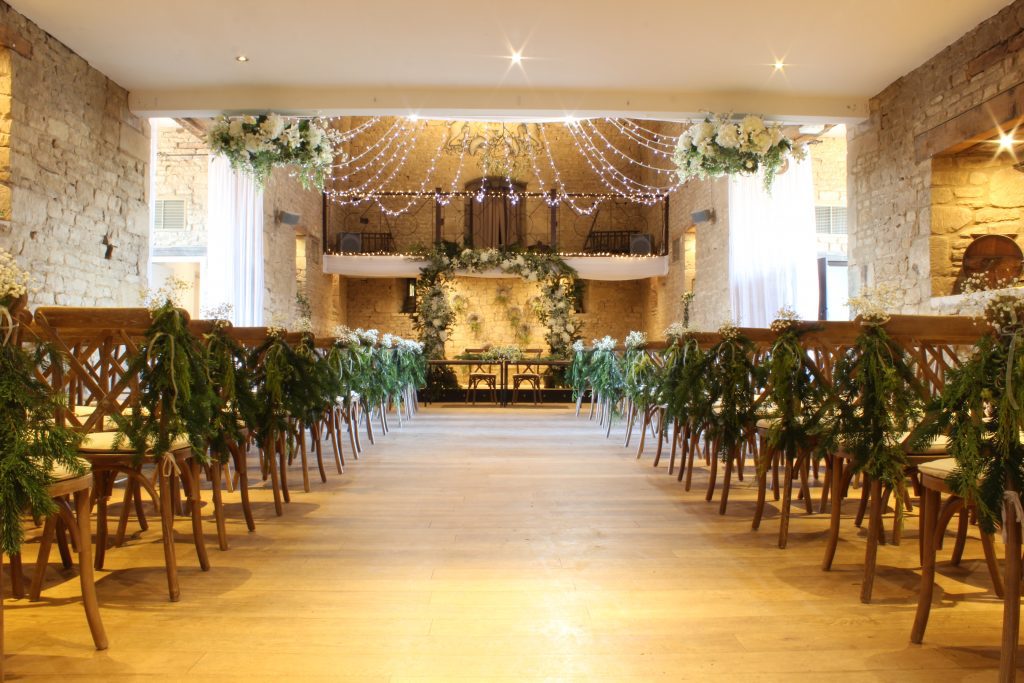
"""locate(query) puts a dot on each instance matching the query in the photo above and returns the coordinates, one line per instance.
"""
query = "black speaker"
(350, 242)
(640, 245)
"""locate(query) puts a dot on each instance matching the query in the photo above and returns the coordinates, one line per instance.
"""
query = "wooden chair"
(527, 373)
(935, 517)
(479, 375)
(99, 344)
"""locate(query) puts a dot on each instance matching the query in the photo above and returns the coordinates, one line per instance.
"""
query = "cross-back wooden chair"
(528, 373)
(99, 344)
(70, 492)
(480, 372)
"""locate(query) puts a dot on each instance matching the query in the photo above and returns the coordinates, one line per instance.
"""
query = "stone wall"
(828, 159)
(889, 190)
(708, 276)
(182, 171)
(79, 204)
(972, 195)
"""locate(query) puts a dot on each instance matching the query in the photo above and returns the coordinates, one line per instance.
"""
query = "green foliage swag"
(733, 378)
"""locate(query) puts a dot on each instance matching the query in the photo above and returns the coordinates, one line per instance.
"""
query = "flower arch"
(554, 306)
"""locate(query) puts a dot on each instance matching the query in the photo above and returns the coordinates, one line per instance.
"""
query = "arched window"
(496, 220)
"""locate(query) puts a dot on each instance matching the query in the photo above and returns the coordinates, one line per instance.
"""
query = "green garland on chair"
(31, 442)
(232, 383)
(176, 399)
(798, 398)
(733, 380)
(982, 410)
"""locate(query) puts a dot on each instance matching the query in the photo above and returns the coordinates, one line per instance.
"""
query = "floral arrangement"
(687, 301)
(636, 340)
(258, 144)
(605, 343)
(733, 381)
(13, 286)
(785, 319)
(719, 146)
(499, 353)
(435, 314)
(219, 314)
(874, 305)
(728, 331)
(475, 323)
(676, 331)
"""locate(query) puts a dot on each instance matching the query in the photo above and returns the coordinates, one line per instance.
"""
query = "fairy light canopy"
(395, 162)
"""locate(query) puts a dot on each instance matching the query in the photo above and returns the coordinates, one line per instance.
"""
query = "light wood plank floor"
(485, 544)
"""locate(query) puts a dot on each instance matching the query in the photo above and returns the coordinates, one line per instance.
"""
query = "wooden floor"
(510, 544)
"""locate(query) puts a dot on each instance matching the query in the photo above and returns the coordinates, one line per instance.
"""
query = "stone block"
(947, 219)
(942, 195)
(969, 191)
(1007, 188)
(992, 214)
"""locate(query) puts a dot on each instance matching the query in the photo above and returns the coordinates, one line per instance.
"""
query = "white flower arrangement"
(874, 305)
(345, 336)
(172, 292)
(258, 144)
(367, 337)
(13, 280)
(578, 346)
(728, 331)
(387, 340)
(606, 343)
(719, 146)
(219, 314)
(785, 318)
(635, 340)
(676, 331)
(303, 324)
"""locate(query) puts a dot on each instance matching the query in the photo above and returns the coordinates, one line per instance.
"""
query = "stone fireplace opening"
(974, 193)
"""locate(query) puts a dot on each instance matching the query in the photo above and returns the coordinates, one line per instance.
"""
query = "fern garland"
(732, 384)
(176, 399)
(31, 442)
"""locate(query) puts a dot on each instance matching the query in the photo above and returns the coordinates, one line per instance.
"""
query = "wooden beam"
(982, 122)
(14, 41)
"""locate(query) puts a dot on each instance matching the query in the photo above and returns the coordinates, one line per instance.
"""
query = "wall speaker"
(350, 242)
(288, 218)
(705, 216)
(640, 245)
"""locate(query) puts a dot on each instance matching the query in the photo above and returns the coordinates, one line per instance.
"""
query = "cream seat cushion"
(103, 442)
(939, 469)
(937, 446)
(59, 472)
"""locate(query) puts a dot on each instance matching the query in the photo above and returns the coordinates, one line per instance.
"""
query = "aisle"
(482, 544)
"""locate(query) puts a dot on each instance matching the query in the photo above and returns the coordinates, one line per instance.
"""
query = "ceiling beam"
(983, 122)
(445, 102)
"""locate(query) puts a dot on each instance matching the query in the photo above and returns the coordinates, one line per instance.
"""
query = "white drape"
(772, 251)
(234, 271)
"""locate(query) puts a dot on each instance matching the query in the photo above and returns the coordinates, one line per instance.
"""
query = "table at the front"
(503, 367)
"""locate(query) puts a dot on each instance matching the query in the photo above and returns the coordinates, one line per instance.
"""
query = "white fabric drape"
(234, 271)
(772, 251)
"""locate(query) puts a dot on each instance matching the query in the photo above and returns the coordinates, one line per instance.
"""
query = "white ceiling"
(654, 57)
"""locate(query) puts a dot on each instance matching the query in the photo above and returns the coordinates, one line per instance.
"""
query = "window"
(830, 220)
(409, 295)
(170, 214)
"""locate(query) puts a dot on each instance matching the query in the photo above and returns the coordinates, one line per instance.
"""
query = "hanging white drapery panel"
(234, 273)
(772, 250)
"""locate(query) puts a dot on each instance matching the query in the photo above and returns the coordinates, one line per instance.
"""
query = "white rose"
(314, 135)
(700, 132)
(235, 128)
(272, 126)
(762, 141)
(751, 125)
(776, 132)
(728, 136)
(685, 141)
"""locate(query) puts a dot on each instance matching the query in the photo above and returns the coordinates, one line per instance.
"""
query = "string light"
(370, 175)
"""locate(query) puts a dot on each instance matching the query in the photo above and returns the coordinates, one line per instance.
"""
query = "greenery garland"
(32, 444)
(684, 379)
(982, 410)
(232, 383)
(733, 379)
(435, 316)
(176, 399)
(876, 402)
(798, 398)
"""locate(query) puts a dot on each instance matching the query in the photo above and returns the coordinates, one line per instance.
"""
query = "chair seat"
(939, 469)
(59, 472)
(937, 446)
(104, 442)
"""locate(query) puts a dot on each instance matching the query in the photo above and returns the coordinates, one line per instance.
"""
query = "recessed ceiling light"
(1006, 141)
(779, 65)
(414, 117)
(241, 58)
(517, 57)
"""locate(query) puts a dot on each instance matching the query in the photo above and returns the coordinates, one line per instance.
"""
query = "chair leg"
(300, 438)
(218, 504)
(282, 458)
(190, 468)
(318, 448)
(43, 558)
(99, 479)
(167, 526)
(675, 443)
(85, 572)
(989, 547)
(930, 512)
(1011, 599)
(837, 511)
(241, 468)
(712, 476)
(787, 501)
(874, 535)
(762, 486)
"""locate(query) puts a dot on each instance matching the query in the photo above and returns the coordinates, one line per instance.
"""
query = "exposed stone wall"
(890, 192)
(78, 175)
(708, 276)
(292, 261)
(972, 195)
(377, 303)
(182, 172)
